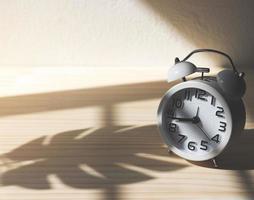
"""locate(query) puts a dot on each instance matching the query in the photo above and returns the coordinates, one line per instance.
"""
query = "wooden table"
(88, 133)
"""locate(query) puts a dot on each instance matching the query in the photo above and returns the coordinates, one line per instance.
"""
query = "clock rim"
(210, 88)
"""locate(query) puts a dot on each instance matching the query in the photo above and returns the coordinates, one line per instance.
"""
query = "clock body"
(197, 121)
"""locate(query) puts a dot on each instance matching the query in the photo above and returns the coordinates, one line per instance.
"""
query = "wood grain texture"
(101, 142)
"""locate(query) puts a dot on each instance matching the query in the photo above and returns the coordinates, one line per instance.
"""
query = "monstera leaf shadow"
(90, 159)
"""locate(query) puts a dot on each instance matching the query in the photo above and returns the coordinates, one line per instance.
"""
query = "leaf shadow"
(103, 159)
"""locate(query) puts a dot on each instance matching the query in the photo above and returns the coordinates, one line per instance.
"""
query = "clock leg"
(215, 163)
(169, 151)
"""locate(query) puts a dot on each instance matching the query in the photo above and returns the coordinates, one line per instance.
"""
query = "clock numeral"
(192, 146)
(223, 126)
(172, 127)
(170, 113)
(219, 112)
(187, 94)
(204, 145)
(216, 138)
(177, 103)
(213, 100)
(200, 94)
(182, 138)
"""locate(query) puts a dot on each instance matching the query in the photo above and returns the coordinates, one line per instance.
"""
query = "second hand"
(203, 131)
(200, 126)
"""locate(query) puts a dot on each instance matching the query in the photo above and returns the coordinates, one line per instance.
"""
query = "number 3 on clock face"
(195, 120)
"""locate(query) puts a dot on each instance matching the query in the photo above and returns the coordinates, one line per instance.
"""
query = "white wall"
(88, 33)
(131, 35)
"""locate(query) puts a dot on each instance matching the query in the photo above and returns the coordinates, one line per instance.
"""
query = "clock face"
(195, 122)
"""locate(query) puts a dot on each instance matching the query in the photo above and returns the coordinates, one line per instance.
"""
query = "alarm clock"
(198, 118)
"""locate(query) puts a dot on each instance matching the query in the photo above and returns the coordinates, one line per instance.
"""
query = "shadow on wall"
(223, 25)
(104, 97)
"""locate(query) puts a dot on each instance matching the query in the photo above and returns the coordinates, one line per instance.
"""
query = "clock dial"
(197, 124)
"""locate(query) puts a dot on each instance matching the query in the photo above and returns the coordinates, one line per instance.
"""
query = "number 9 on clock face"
(195, 121)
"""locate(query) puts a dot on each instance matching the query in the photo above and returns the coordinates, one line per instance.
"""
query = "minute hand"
(183, 119)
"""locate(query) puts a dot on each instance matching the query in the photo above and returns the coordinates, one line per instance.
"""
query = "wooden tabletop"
(88, 133)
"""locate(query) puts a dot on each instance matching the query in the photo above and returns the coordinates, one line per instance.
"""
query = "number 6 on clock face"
(195, 120)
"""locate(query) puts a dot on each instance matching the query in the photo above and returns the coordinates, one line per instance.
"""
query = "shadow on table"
(90, 159)
(102, 158)
(238, 155)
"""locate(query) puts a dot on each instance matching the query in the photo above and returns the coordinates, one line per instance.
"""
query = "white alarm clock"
(198, 118)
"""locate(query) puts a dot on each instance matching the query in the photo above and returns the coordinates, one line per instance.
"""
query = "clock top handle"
(231, 81)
